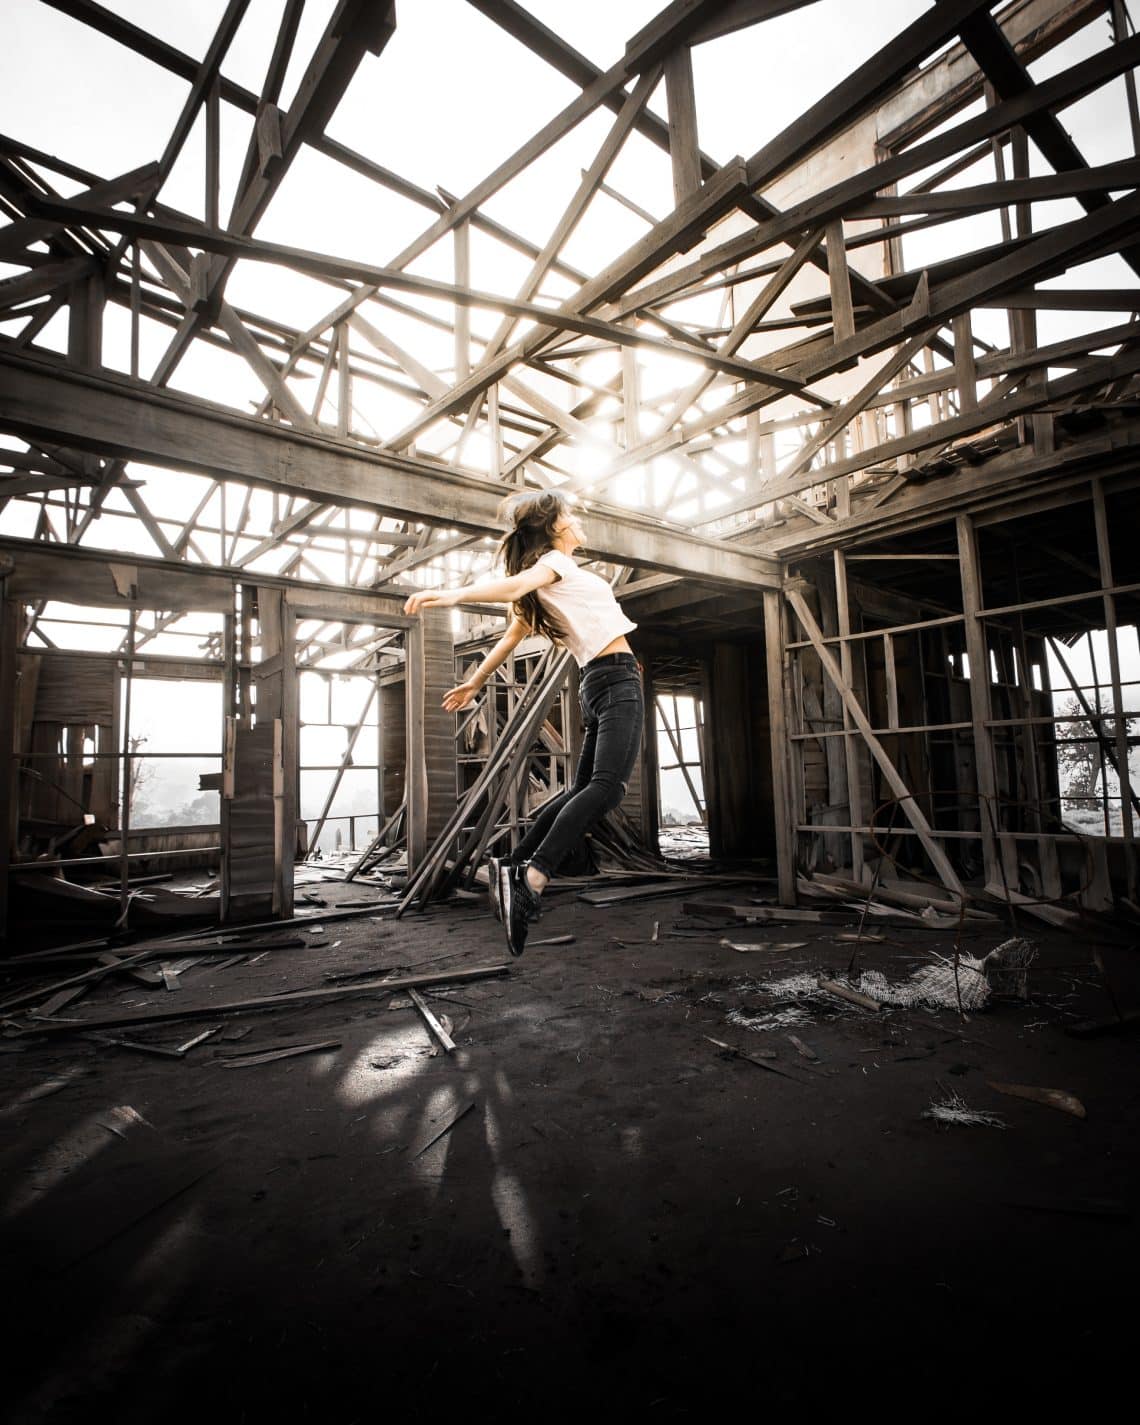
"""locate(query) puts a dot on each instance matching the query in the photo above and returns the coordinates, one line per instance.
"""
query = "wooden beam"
(684, 149)
(977, 650)
(132, 420)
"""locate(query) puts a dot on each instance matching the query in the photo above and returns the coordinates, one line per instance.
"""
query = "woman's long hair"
(533, 517)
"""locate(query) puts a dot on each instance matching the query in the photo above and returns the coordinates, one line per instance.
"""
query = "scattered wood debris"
(760, 1060)
(270, 1056)
(833, 987)
(954, 1109)
(803, 1049)
(758, 945)
(265, 1002)
(1051, 1098)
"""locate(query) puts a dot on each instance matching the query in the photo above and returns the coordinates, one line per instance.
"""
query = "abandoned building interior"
(292, 294)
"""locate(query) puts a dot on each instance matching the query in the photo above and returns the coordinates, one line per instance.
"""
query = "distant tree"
(1078, 762)
(142, 776)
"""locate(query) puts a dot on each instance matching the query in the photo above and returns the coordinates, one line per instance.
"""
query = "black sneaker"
(520, 906)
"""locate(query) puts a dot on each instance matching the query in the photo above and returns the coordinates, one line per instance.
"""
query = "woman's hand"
(456, 699)
(429, 599)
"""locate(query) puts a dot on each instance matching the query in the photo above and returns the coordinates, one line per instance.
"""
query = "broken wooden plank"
(833, 987)
(1051, 1098)
(804, 1050)
(752, 1059)
(768, 913)
(62, 998)
(261, 1002)
(760, 945)
(1055, 915)
(447, 1044)
(669, 888)
(270, 1056)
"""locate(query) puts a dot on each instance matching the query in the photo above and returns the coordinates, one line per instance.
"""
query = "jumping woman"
(550, 594)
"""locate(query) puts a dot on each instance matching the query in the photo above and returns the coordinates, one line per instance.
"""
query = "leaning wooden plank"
(446, 1042)
(1051, 1098)
(1051, 914)
(847, 889)
(909, 806)
(270, 1056)
(442, 977)
(833, 987)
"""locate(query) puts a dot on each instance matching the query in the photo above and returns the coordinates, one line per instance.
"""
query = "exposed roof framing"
(801, 338)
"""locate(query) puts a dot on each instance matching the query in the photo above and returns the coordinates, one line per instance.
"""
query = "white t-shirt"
(584, 605)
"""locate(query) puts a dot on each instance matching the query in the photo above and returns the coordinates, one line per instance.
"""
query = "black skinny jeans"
(613, 706)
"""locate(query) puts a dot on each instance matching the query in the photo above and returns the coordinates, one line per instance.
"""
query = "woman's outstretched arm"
(458, 698)
(486, 591)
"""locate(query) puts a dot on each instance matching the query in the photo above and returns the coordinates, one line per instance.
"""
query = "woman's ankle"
(537, 880)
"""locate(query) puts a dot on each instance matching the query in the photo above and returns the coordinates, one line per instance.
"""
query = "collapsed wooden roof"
(839, 335)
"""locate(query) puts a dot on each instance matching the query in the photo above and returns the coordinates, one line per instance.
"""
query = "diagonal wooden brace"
(906, 801)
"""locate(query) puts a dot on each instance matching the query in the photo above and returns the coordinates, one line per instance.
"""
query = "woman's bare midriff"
(619, 645)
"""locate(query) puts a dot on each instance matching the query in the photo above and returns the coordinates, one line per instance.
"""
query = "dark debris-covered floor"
(625, 1217)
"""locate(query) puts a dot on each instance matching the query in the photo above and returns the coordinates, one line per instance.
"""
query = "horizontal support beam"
(340, 269)
(1002, 483)
(113, 415)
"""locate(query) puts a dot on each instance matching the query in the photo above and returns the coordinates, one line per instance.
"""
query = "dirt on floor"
(589, 1203)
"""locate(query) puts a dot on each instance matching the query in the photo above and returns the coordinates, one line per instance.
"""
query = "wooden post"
(462, 240)
(344, 381)
(836, 750)
(782, 811)
(965, 369)
(850, 750)
(1040, 426)
(9, 783)
(213, 153)
(631, 409)
(977, 651)
(1104, 554)
(684, 148)
(415, 774)
(126, 780)
(890, 676)
(494, 435)
(843, 323)
(1119, 35)
(909, 806)
(229, 728)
